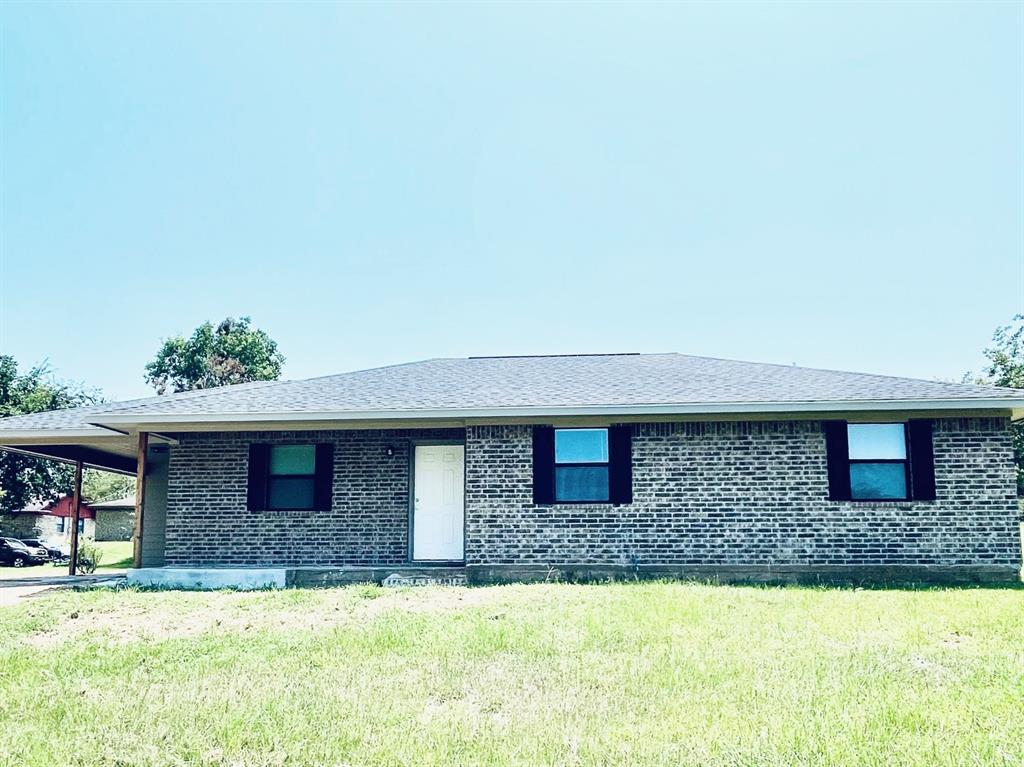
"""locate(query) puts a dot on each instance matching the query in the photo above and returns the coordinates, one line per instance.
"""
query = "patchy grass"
(654, 673)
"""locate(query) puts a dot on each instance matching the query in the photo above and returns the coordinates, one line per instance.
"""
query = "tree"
(231, 353)
(24, 479)
(100, 486)
(1006, 368)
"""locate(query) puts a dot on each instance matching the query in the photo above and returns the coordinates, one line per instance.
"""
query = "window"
(584, 465)
(60, 524)
(878, 461)
(292, 477)
(581, 465)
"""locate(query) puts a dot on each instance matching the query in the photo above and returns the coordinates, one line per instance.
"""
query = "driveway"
(13, 590)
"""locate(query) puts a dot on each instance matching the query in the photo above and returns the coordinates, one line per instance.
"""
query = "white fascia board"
(139, 419)
(41, 436)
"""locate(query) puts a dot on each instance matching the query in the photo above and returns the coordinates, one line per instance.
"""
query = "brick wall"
(114, 524)
(724, 493)
(41, 526)
(207, 520)
(744, 493)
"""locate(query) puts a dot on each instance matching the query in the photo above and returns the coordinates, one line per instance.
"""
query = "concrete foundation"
(209, 578)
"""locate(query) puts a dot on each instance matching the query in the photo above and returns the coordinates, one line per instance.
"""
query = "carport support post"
(140, 490)
(76, 503)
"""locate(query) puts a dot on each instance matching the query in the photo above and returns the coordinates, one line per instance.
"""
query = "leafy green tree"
(100, 486)
(24, 479)
(230, 353)
(1006, 368)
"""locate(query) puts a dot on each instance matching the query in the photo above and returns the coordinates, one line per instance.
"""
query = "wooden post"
(140, 491)
(76, 503)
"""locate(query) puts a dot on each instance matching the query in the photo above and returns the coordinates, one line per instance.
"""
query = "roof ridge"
(544, 356)
(368, 370)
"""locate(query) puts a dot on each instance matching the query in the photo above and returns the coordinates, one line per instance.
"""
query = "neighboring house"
(48, 521)
(115, 520)
(562, 466)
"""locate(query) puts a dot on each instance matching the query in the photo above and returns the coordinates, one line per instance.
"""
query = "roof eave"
(136, 420)
(45, 435)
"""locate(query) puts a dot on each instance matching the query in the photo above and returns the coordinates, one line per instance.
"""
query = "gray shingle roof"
(119, 503)
(532, 382)
(84, 417)
(71, 418)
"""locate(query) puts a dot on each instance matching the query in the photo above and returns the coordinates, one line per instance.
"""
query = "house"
(115, 520)
(48, 521)
(501, 468)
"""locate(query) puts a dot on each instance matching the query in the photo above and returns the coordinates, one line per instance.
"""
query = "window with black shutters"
(880, 461)
(290, 477)
(582, 465)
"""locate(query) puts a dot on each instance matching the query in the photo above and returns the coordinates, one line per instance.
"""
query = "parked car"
(37, 551)
(14, 552)
(52, 553)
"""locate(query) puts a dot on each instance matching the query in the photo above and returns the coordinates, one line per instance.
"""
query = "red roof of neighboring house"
(59, 508)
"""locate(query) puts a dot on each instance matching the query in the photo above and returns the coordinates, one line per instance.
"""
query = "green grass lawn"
(630, 674)
(116, 554)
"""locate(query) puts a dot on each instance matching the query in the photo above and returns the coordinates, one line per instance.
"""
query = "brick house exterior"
(34, 524)
(724, 498)
(48, 521)
(707, 468)
(368, 524)
(717, 496)
(115, 519)
(114, 524)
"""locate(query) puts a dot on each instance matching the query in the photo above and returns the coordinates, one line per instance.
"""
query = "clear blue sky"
(835, 185)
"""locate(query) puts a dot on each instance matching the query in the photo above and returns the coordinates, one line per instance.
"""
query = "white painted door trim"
(439, 503)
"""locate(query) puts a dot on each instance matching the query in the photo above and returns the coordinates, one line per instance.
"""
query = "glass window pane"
(290, 493)
(581, 446)
(878, 480)
(581, 483)
(877, 440)
(293, 459)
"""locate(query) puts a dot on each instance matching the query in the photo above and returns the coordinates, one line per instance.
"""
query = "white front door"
(437, 518)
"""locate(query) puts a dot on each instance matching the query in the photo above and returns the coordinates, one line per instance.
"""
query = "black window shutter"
(922, 460)
(543, 464)
(837, 451)
(324, 482)
(620, 464)
(259, 468)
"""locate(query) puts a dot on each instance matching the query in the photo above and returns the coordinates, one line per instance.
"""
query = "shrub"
(89, 557)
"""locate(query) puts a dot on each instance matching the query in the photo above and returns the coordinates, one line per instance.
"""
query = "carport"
(67, 436)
